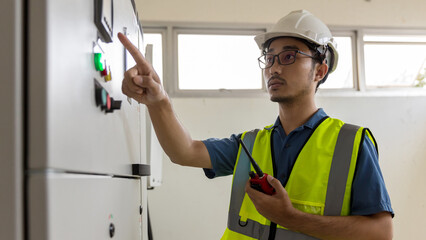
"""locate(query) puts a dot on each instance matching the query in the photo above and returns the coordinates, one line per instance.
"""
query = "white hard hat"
(302, 24)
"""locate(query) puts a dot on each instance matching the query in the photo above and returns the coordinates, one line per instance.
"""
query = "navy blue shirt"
(369, 194)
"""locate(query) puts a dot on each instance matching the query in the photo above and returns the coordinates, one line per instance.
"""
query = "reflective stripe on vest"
(336, 188)
(339, 170)
(241, 175)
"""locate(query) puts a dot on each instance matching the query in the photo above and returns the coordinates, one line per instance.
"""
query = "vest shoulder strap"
(249, 138)
(241, 173)
(339, 169)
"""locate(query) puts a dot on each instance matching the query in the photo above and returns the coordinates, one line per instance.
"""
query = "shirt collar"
(311, 123)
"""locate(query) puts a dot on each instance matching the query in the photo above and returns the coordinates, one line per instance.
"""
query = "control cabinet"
(83, 135)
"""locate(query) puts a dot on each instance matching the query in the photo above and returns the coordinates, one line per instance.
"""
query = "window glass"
(394, 61)
(342, 77)
(213, 62)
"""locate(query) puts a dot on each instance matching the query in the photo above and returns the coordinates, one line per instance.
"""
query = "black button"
(111, 230)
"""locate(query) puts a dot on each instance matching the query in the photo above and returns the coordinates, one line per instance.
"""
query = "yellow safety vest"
(320, 182)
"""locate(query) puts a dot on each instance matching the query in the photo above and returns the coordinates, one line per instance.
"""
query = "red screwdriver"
(258, 180)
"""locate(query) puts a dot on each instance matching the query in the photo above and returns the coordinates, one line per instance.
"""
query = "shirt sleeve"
(369, 194)
(223, 155)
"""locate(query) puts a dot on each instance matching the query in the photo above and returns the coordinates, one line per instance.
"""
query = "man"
(333, 185)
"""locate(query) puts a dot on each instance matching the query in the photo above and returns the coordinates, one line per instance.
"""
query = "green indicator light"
(98, 62)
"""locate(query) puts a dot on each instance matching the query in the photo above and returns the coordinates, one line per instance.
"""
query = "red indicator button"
(115, 105)
(108, 103)
(104, 72)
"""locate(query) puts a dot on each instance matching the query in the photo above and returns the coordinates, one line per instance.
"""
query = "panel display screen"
(104, 19)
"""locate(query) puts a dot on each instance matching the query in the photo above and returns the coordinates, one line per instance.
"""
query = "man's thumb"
(275, 183)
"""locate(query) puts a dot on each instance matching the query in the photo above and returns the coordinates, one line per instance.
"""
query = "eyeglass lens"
(284, 58)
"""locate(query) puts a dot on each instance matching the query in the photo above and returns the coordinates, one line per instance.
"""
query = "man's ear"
(321, 71)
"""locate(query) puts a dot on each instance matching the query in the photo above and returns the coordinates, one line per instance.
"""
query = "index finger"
(134, 51)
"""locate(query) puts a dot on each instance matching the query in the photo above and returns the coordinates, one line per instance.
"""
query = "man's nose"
(276, 66)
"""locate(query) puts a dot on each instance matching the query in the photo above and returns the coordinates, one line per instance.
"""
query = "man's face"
(294, 82)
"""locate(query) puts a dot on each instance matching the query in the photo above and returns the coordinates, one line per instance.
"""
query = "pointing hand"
(141, 82)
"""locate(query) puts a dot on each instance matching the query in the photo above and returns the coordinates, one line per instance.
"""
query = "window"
(214, 62)
(343, 76)
(394, 61)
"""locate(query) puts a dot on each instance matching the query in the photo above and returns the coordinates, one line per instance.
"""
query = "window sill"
(383, 92)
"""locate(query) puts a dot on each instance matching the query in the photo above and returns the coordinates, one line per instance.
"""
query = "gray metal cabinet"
(74, 135)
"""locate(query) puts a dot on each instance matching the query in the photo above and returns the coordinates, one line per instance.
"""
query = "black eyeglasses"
(286, 57)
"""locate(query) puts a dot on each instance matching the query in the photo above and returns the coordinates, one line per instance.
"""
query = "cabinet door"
(70, 128)
(84, 207)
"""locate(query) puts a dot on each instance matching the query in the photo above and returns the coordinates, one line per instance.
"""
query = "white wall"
(399, 126)
(381, 13)
(189, 206)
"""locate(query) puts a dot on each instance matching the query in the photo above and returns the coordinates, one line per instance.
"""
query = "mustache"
(276, 77)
